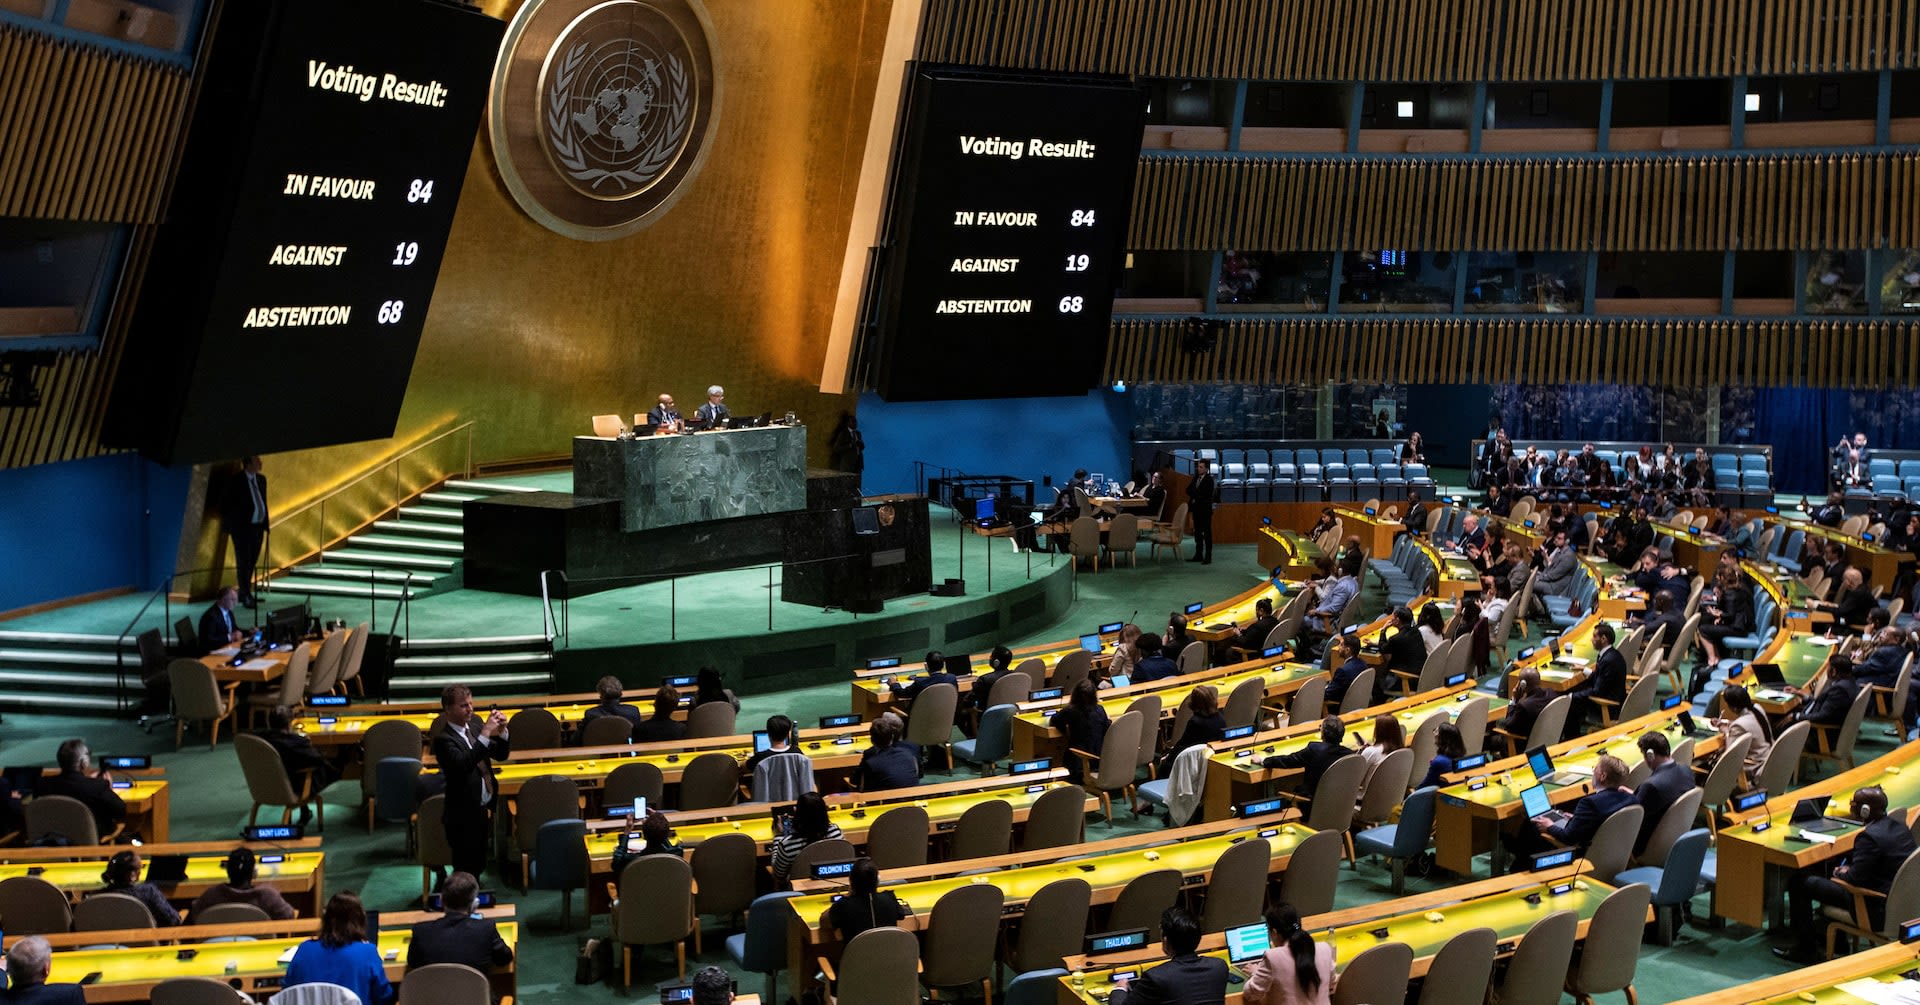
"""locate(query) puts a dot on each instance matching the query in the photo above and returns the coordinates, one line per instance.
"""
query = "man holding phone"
(466, 750)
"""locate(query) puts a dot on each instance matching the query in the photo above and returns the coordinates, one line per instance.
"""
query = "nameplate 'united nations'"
(603, 111)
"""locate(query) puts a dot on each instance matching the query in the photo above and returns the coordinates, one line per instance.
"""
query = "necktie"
(259, 502)
(486, 787)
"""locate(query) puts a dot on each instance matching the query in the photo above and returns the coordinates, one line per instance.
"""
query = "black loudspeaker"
(950, 588)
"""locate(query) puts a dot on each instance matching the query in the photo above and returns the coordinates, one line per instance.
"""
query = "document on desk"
(257, 665)
(1822, 640)
(226, 651)
(1901, 992)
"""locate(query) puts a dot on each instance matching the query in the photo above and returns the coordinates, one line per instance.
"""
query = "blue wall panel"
(82, 526)
(1021, 437)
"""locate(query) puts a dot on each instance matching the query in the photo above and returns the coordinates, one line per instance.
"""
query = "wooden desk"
(148, 799)
(1882, 564)
(1499, 904)
(1108, 867)
(350, 724)
(1034, 735)
(1287, 553)
(265, 667)
(1476, 805)
(1376, 533)
(1235, 774)
(1754, 865)
(129, 975)
(301, 878)
(1825, 982)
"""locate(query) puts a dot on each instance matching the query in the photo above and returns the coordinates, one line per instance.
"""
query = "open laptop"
(1542, 764)
(1245, 944)
(1768, 674)
(1811, 815)
(1687, 725)
(1534, 799)
(166, 870)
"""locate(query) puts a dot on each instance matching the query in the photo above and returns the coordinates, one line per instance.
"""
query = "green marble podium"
(692, 478)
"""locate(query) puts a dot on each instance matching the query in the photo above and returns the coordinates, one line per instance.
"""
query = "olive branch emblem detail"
(568, 150)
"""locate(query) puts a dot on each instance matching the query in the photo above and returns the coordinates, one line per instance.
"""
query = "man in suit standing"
(1186, 978)
(1316, 757)
(1664, 786)
(460, 936)
(1608, 680)
(715, 410)
(243, 512)
(466, 750)
(24, 981)
(1202, 493)
(1878, 851)
(217, 626)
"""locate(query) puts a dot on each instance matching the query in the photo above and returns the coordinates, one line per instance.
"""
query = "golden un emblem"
(603, 111)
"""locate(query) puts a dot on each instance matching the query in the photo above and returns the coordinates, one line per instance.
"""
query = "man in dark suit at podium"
(243, 511)
(714, 412)
(664, 414)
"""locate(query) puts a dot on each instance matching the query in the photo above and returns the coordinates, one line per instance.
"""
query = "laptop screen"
(1768, 673)
(166, 869)
(1121, 680)
(1091, 643)
(1540, 762)
(1534, 798)
(1246, 942)
(761, 742)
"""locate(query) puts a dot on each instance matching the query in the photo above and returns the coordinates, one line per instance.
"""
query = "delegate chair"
(723, 875)
(30, 905)
(1405, 840)
(1168, 535)
(430, 841)
(66, 818)
(1461, 970)
(192, 991)
(388, 738)
(228, 914)
(898, 837)
(608, 426)
(108, 912)
(1674, 883)
(1237, 892)
(930, 723)
(871, 969)
(606, 731)
(1055, 820)
(1602, 967)
(983, 831)
(715, 718)
(445, 984)
(1313, 872)
(291, 694)
(762, 948)
(1539, 965)
(961, 937)
(1113, 769)
(1611, 849)
(269, 785)
(197, 697)
(710, 781)
(541, 799)
(1083, 541)
(1900, 903)
(560, 862)
(1378, 976)
(630, 780)
(533, 728)
(653, 904)
(1143, 899)
(1059, 923)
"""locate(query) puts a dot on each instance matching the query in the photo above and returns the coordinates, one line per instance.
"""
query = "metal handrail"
(163, 593)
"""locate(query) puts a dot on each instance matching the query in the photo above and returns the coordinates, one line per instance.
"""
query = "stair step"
(472, 660)
(354, 556)
(479, 642)
(34, 677)
(65, 657)
(294, 584)
(59, 638)
(40, 701)
(451, 499)
(537, 682)
(451, 514)
(488, 488)
(406, 544)
(359, 574)
(428, 527)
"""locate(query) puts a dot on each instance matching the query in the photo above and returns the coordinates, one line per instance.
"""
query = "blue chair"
(1674, 883)
(560, 862)
(1307, 455)
(1789, 557)
(1232, 456)
(992, 742)
(1417, 476)
(396, 788)
(1753, 462)
(1381, 455)
(1281, 455)
(1035, 987)
(1403, 841)
(1285, 486)
(762, 948)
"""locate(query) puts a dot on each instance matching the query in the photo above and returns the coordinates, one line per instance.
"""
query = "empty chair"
(1783, 758)
(930, 723)
(30, 905)
(723, 874)
(547, 797)
(1472, 723)
(635, 778)
(325, 675)
(268, 784)
(1141, 901)
(1068, 671)
(711, 780)
(1193, 658)
(1014, 688)
(872, 967)
(1378, 976)
(1460, 971)
(1674, 882)
(962, 933)
(984, 830)
(1333, 798)
(1309, 702)
(445, 984)
(994, 740)
(1359, 693)
(1083, 541)
(654, 904)
(1057, 819)
(714, 718)
(384, 739)
(1237, 891)
(1404, 840)
(1603, 965)
(762, 948)
(559, 860)
(228, 914)
(1053, 926)
(1168, 535)
(1673, 823)
(898, 837)
(1313, 872)
(533, 729)
(430, 840)
(1123, 539)
(1148, 705)
(197, 697)
(1386, 785)
(292, 692)
(1539, 965)
(608, 426)
(192, 991)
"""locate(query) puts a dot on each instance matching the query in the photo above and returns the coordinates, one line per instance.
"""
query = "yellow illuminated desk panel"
(1882, 563)
(829, 749)
(1234, 771)
(128, 975)
(1849, 980)
(1472, 810)
(1791, 596)
(1499, 904)
(300, 878)
(1752, 863)
(1454, 576)
(347, 727)
(1216, 624)
(1376, 533)
(1034, 735)
(1290, 552)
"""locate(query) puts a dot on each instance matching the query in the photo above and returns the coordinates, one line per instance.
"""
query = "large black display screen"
(289, 284)
(1010, 201)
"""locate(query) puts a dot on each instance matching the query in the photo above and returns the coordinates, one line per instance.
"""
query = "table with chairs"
(1375, 530)
(145, 793)
(1478, 803)
(1449, 937)
(247, 956)
(38, 878)
(550, 719)
(1289, 553)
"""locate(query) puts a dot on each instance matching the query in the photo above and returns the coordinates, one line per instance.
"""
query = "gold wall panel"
(530, 333)
(1860, 353)
(1427, 40)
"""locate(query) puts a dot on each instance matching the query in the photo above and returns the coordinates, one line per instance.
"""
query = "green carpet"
(210, 803)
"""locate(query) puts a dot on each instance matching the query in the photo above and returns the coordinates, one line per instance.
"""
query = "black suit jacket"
(236, 503)
(710, 412)
(1589, 813)
(1878, 851)
(1313, 762)
(1183, 980)
(1254, 636)
(466, 764)
(1609, 677)
(1202, 493)
(1831, 705)
(1520, 714)
(296, 752)
(661, 415)
(1657, 794)
(911, 691)
(216, 628)
(1404, 650)
(458, 938)
(96, 793)
(1416, 519)
(40, 994)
